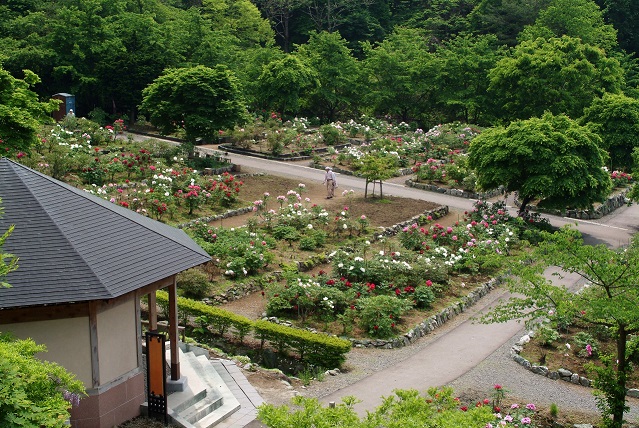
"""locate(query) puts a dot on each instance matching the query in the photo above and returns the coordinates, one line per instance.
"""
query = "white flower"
(362, 269)
(310, 226)
(340, 265)
(344, 226)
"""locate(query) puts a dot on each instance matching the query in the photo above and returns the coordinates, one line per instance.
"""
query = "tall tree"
(560, 75)
(462, 78)
(580, 19)
(329, 15)
(282, 84)
(442, 19)
(21, 113)
(505, 18)
(551, 158)
(199, 100)
(609, 299)
(623, 15)
(615, 118)
(400, 74)
(337, 71)
(279, 12)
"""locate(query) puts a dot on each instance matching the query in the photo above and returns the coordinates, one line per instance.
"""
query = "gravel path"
(477, 383)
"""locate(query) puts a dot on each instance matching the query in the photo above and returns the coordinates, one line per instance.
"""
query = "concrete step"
(212, 399)
(194, 391)
(219, 389)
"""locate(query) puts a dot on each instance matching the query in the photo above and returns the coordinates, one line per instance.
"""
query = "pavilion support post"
(153, 313)
(173, 331)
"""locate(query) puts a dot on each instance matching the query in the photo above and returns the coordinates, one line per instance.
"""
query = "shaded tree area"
(422, 62)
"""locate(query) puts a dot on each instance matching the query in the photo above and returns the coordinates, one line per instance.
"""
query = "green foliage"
(404, 409)
(238, 251)
(283, 83)
(399, 72)
(8, 262)
(556, 75)
(423, 296)
(547, 335)
(21, 113)
(380, 315)
(318, 350)
(609, 299)
(332, 136)
(314, 349)
(34, 392)
(587, 346)
(336, 70)
(194, 283)
(551, 158)
(580, 19)
(615, 118)
(198, 100)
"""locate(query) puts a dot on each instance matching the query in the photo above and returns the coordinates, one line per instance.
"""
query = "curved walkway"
(465, 355)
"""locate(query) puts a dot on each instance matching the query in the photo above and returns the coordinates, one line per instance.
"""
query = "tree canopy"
(551, 158)
(560, 75)
(608, 299)
(199, 100)
(615, 118)
(21, 113)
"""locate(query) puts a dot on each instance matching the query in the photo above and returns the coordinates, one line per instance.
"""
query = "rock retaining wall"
(559, 374)
(453, 192)
(609, 205)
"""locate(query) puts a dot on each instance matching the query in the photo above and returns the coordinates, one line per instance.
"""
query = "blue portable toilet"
(66, 106)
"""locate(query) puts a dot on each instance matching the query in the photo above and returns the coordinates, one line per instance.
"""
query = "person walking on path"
(331, 182)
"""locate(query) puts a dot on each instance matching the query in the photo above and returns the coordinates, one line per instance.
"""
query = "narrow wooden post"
(173, 331)
(153, 313)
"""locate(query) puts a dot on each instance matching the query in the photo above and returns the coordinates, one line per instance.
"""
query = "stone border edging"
(561, 373)
(454, 192)
(609, 205)
(432, 322)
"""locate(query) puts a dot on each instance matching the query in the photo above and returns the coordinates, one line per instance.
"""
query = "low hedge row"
(319, 350)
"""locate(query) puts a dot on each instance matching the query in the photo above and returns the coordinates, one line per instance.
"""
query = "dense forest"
(421, 61)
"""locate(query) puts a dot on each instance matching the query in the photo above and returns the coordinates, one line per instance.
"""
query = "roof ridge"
(51, 218)
(120, 211)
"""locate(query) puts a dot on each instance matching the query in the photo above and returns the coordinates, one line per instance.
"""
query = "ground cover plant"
(439, 407)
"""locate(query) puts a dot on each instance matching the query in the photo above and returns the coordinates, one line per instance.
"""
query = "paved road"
(469, 356)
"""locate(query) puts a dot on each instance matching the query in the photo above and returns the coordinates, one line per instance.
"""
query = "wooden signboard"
(156, 375)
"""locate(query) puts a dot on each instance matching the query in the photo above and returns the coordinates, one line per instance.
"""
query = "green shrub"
(332, 135)
(194, 283)
(318, 350)
(547, 335)
(286, 233)
(587, 345)
(380, 315)
(424, 297)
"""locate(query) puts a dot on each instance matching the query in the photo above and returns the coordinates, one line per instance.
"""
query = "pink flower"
(531, 406)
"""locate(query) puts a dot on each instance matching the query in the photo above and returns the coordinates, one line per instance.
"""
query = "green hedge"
(319, 350)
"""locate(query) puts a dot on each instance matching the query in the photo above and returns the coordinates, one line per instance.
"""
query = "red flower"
(463, 408)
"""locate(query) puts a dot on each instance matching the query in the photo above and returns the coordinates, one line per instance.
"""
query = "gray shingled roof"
(74, 246)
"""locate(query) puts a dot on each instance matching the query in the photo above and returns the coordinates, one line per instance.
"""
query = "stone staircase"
(216, 393)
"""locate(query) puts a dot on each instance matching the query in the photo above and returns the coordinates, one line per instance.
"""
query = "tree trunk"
(381, 195)
(366, 189)
(524, 205)
(618, 404)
